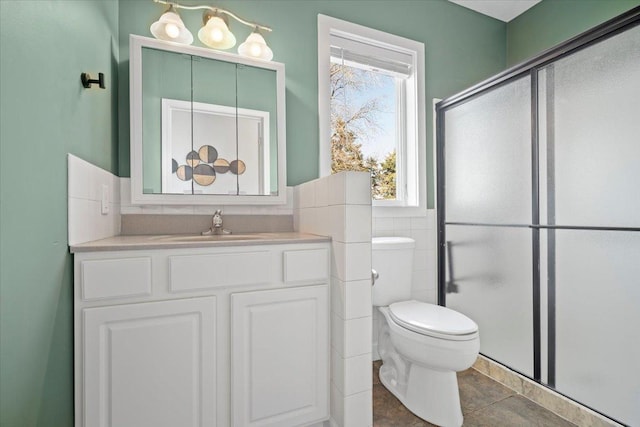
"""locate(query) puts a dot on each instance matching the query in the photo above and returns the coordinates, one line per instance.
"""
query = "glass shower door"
(590, 199)
(539, 216)
(488, 212)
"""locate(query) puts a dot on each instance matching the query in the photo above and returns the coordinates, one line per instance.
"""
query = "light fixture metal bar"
(215, 9)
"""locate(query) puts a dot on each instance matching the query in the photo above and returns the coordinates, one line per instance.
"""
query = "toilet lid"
(426, 319)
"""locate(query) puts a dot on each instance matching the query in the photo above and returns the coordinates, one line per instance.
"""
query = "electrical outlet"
(104, 205)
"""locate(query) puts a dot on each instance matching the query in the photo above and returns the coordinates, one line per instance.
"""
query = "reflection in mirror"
(174, 82)
(206, 127)
(257, 91)
(199, 149)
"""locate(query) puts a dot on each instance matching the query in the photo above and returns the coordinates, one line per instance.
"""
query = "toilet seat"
(433, 320)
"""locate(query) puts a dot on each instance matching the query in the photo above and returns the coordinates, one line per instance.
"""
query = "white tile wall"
(351, 300)
(84, 191)
(353, 411)
(340, 206)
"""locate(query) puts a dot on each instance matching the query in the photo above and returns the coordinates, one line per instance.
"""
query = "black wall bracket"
(87, 81)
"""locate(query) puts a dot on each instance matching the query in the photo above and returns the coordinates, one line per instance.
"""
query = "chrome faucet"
(216, 221)
(216, 225)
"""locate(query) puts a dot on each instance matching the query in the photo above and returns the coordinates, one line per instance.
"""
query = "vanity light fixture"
(256, 47)
(171, 28)
(215, 31)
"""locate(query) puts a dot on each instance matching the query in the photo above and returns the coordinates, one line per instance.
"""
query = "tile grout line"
(515, 393)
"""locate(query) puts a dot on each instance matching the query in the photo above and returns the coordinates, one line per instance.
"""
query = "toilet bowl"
(422, 345)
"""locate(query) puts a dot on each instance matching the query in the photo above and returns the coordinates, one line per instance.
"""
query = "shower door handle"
(450, 286)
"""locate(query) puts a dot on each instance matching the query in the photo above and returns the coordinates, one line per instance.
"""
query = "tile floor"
(485, 403)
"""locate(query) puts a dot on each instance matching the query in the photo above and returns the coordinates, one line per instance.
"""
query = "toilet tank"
(392, 258)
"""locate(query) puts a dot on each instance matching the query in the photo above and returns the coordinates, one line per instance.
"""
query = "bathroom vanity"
(202, 330)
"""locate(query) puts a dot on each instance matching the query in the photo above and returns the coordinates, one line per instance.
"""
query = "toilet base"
(431, 395)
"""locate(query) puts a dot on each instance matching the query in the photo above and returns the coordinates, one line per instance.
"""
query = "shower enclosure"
(539, 216)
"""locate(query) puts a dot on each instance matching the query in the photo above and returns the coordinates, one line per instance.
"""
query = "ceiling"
(504, 10)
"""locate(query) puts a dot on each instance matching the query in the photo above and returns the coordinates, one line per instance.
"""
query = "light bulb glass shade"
(216, 34)
(256, 47)
(171, 28)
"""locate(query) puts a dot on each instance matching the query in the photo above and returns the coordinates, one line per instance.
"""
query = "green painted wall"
(551, 22)
(45, 114)
(462, 48)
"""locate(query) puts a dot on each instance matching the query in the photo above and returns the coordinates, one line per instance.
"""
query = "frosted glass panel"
(597, 300)
(491, 271)
(488, 157)
(590, 107)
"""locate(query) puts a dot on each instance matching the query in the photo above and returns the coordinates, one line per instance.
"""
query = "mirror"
(206, 127)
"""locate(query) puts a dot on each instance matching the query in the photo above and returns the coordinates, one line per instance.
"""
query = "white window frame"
(414, 202)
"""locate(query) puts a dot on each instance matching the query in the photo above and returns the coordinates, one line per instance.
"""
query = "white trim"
(435, 155)
(328, 25)
(136, 43)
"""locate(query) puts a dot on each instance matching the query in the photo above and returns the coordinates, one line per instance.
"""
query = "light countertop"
(177, 241)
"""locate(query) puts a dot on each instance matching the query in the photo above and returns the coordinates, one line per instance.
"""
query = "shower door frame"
(529, 67)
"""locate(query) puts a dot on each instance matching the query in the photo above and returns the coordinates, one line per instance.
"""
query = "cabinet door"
(150, 364)
(280, 357)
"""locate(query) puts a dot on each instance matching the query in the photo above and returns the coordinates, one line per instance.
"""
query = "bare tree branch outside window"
(353, 123)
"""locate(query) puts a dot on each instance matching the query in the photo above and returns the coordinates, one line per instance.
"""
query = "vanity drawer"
(308, 265)
(195, 272)
(115, 278)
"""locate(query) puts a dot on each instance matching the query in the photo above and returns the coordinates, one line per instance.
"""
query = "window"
(371, 107)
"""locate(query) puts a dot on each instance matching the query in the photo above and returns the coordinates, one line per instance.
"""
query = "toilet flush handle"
(374, 276)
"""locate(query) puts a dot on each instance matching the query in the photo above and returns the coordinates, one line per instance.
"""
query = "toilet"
(422, 345)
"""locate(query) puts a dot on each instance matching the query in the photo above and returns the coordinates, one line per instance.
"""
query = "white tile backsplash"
(358, 410)
(357, 223)
(382, 224)
(336, 406)
(351, 300)
(352, 375)
(352, 261)
(355, 182)
(357, 299)
(322, 192)
(306, 195)
(85, 219)
(340, 206)
(420, 223)
(351, 411)
(358, 375)
(357, 337)
(403, 223)
(336, 183)
(337, 333)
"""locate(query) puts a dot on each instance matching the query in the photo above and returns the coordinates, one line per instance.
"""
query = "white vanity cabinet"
(278, 366)
(150, 364)
(173, 337)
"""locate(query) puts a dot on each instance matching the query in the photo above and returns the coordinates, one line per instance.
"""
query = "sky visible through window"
(380, 140)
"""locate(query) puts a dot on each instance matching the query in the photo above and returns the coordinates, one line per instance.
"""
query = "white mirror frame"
(136, 43)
